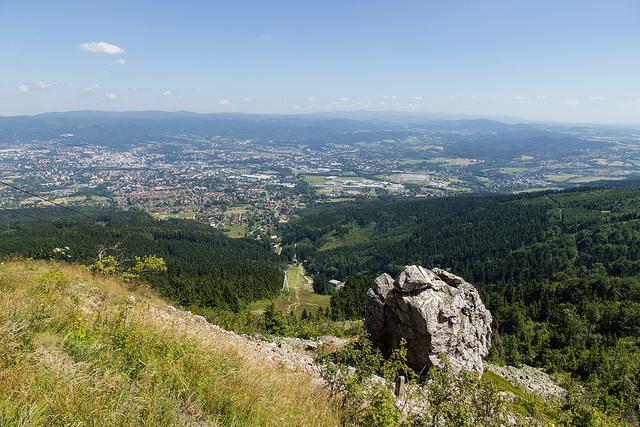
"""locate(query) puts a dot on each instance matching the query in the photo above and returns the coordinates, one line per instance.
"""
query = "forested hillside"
(560, 271)
(204, 267)
(487, 239)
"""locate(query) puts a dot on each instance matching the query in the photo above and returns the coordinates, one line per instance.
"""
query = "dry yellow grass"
(76, 350)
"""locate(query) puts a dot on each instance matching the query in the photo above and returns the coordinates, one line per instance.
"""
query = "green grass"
(523, 403)
(591, 178)
(235, 231)
(300, 296)
(338, 200)
(315, 179)
(79, 199)
(355, 236)
(178, 215)
(511, 170)
(579, 179)
(457, 161)
(560, 177)
(484, 180)
(75, 351)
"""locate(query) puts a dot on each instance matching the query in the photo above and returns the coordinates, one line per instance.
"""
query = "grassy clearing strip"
(300, 296)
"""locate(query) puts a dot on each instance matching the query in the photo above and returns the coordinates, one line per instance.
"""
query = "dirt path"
(296, 295)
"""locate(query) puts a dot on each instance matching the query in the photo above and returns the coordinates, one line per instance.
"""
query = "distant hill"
(126, 128)
(459, 135)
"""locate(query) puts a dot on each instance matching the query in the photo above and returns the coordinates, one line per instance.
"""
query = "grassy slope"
(299, 297)
(73, 351)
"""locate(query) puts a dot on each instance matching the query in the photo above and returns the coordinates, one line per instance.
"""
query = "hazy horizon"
(427, 115)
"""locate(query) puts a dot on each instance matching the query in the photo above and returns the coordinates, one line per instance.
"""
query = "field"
(315, 179)
(178, 215)
(65, 200)
(560, 177)
(299, 297)
(511, 170)
(614, 163)
(339, 200)
(235, 231)
(457, 161)
(578, 179)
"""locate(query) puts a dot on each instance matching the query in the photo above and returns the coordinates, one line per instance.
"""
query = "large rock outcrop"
(436, 313)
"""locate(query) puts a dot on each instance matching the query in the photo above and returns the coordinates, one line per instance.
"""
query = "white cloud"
(93, 88)
(417, 98)
(44, 85)
(120, 61)
(265, 36)
(25, 88)
(224, 101)
(106, 93)
(520, 100)
(596, 98)
(167, 93)
(571, 102)
(343, 99)
(310, 98)
(102, 47)
(635, 102)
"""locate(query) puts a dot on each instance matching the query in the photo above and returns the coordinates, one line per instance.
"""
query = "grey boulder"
(435, 312)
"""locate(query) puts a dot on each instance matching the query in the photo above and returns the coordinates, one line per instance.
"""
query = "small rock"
(335, 342)
(312, 345)
(506, 396)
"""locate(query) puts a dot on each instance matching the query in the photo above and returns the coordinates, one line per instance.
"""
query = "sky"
(560, 60)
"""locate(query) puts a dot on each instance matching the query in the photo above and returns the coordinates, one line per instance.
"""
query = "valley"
(250, 179)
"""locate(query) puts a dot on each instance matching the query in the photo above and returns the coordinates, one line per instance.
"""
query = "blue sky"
(564, 60)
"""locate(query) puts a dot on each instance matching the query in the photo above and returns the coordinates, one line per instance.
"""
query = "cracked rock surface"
(435, 312)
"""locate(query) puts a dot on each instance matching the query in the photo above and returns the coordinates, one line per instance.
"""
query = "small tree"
(143, 267)
(132, 269)
(61, 254)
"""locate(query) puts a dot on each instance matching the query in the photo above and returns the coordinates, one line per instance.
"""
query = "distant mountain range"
(127, 128)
